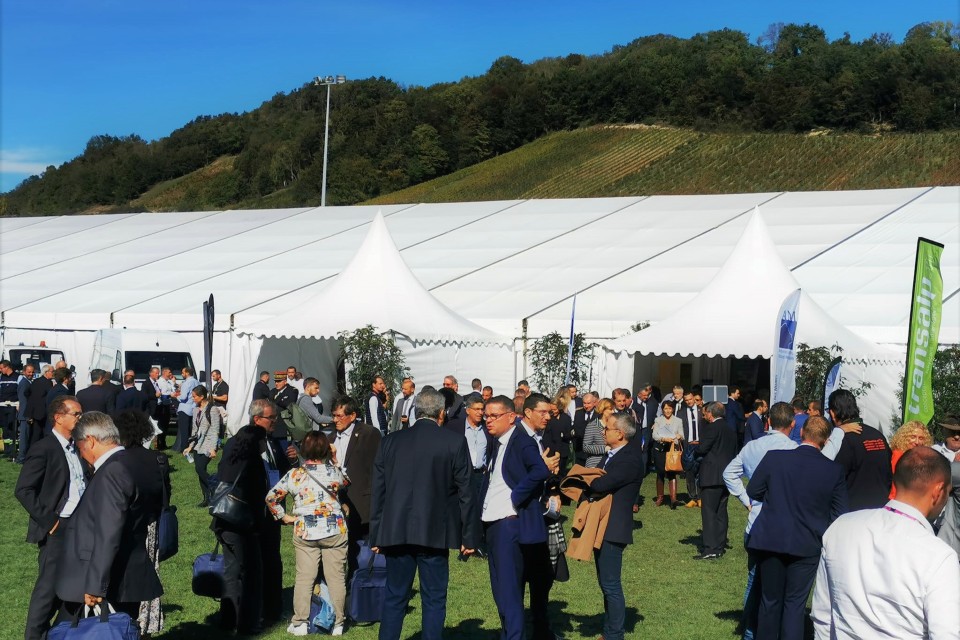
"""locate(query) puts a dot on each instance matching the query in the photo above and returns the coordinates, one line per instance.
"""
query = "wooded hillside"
(385, 137)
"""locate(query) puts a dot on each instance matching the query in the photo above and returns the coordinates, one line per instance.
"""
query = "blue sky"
(73, 69)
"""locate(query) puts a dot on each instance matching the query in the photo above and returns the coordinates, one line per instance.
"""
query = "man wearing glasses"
(511, 511)
(253, 568)
(355, 447)
(49, 488)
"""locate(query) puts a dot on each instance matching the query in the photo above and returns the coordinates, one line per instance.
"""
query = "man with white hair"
(104, 549)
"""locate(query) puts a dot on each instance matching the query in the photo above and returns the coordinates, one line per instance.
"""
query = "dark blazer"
(242, 462)
(97, 398)
(734, 414)
(130, 398)
(361, 453)
(652, 407)
(524, 472)
(43, 486)
(150, 399)
(460, 428)
(421, 490)
(37, 400)
(579, 427)
(624, 473)
(105, 551)
(756, 425)
(556, 437)
(718, 446)
(802, 493)
(261, 391)
(684, 416)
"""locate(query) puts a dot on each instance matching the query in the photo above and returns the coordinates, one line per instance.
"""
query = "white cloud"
(25, 161)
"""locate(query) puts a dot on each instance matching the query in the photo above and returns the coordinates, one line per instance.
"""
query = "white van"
(21, 355)
(116, 350)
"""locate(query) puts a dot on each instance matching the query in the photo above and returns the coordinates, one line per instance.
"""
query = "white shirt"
(884, 574)
(77, 481)
(498, 504)
(106, 456)
(296, 384)
(167, 387)
(942, 448)
(342, 443)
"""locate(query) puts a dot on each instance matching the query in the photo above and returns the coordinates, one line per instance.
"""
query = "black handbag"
(226, 506)
(168, 527)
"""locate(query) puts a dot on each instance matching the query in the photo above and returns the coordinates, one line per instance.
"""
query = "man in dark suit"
(356, 445)
(473, 429)
(734, 413)
(693, 422)
(151, 393)
(581, 417)
(718, 446)
(104, 549)
(420, 508)
(511, 511)
(261, 390)
(757, 422)
(63, 379)
(49, 488)
(97, 397)
(130, 397)
(802, 492)
(624, 474)
(37, 403)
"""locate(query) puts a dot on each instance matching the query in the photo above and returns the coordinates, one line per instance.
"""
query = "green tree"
(369, 353)
(548, 357)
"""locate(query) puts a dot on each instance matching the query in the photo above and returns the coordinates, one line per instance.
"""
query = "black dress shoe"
(708, 556)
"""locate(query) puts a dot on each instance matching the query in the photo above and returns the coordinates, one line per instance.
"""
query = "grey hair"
(46, 368)
(716, 409)
(592, 394)
(625, 423)
(452, 379)
(257, 407)
(97, 425)
(429, 404)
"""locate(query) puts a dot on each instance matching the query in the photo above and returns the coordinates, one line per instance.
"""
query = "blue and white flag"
(831, 382)
(783, 369)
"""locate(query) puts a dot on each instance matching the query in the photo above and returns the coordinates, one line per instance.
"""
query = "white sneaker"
(337, 630)
(298, 629)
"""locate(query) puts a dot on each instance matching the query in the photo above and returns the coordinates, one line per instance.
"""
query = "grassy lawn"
(669, 595)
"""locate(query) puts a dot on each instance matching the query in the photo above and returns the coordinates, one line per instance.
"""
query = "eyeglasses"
(75, 414)
(611, 429)
(272, 418)
(338, 416)
(493, 418)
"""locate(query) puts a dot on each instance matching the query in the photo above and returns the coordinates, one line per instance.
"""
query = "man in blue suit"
(802, 493)
(512, 514)
(622, 481)
(757, 422)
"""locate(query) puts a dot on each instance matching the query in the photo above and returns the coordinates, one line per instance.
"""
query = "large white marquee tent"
(512, 267)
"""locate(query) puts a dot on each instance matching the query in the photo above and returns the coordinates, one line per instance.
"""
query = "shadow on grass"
(693, 541)
(592, 626)
(467, 629)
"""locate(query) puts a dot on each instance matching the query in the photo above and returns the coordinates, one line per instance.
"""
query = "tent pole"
(524, 348)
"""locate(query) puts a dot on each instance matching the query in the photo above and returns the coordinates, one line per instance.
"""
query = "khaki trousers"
(333, 552)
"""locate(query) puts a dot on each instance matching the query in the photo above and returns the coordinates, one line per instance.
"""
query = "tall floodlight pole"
(327, 82)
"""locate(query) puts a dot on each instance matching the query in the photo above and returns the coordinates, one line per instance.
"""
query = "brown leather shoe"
(691, 504)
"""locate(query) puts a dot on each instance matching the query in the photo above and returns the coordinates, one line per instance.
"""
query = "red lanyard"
(901, 513)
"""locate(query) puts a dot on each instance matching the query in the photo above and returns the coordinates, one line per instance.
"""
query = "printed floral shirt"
(318, 515)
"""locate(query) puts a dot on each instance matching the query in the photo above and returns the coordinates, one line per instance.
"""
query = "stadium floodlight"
(327, 82)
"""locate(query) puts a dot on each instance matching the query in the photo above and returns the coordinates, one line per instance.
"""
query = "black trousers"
(714, 518)
(538, 573)
(162, 416)
(44, 602)
(272, 564)
(785, 583)
(183, 432)
(8, 422)
(242, 600)
(476, 487)
(201, 463)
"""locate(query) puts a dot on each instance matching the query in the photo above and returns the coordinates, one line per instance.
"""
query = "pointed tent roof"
(379, 290)
(718, 323)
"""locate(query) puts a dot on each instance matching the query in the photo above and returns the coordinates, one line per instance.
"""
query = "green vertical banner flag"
(925, 309)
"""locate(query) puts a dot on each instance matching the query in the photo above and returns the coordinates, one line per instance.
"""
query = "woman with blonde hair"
(594, 444)
(912, 434)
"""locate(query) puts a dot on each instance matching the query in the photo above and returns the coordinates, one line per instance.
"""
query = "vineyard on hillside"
(622, 161)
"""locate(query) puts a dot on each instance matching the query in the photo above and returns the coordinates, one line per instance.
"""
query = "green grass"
(629, 161)
(669, 595)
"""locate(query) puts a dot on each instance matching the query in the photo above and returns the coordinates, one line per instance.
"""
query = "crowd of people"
(875, 525)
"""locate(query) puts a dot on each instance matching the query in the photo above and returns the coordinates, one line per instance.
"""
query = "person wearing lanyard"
(883, 572)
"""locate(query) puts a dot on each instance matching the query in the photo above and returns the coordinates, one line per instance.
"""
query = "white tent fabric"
(375, 288)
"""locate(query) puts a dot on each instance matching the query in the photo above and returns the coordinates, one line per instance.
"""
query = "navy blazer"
(734, 415)
(524, 472)
(802, 493)
(624, 473)
(756, 425)
(718, 446)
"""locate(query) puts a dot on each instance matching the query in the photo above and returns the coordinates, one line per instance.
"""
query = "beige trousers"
(309, 553)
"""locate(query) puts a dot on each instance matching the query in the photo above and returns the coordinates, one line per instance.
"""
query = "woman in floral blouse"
(319, 528)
